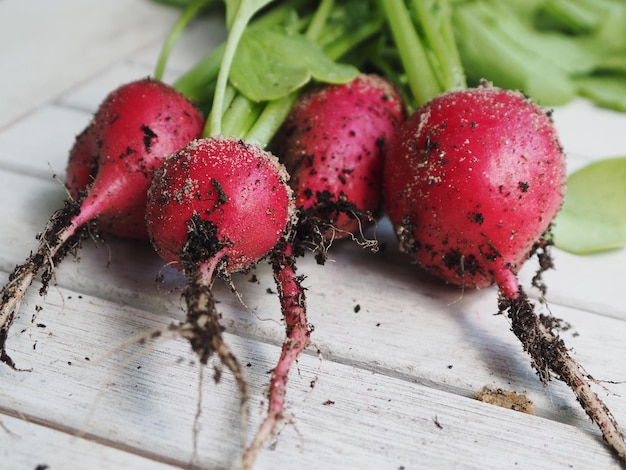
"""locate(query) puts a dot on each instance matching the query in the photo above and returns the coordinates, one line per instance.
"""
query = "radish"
(249, 106)
(333, 143)
(134, 128)
(473, 180)
(235, 187)
(216, 207)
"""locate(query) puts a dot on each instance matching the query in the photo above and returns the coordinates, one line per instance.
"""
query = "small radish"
(135, 127)
(472, 181)
(217, 206)
(333, 143)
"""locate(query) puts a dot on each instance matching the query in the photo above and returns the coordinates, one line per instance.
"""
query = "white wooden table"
(394, 381)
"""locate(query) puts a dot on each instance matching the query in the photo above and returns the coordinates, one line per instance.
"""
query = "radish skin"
(138, 126)
(236, 186)
(472, 181)
(82, 164)
(333, 144)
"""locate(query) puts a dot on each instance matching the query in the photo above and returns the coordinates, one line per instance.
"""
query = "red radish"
(134, 129)
(333, 143)
(139, 125)
(235, 186)
(217, 206)
(472, 181)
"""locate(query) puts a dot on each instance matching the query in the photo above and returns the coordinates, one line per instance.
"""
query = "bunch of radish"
(473, 180)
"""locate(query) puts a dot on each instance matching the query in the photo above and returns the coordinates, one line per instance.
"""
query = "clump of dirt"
(505, 399)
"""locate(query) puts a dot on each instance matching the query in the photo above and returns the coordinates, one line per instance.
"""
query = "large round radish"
(333, 144)
(472, 181)
(237, 188)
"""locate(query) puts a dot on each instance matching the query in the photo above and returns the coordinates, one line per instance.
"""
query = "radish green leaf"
(271, 63)
(593, 217)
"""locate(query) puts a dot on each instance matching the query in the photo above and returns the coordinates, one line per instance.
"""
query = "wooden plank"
(39, 144)
(142, 399)
(29, 445)
(67, 42)
(413, 334)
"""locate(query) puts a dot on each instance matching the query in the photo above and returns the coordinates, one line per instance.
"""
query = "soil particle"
(505, 399)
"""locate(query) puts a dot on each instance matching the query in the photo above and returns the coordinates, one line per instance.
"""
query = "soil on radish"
(315, 222)
(545, 355)
(202, 243)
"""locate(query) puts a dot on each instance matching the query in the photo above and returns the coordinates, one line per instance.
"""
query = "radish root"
(549, 355)
(52, 249)
(298, 331)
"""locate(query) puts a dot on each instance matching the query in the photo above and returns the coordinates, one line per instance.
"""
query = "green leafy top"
(273, 50)
(272, 63)
(593, 217)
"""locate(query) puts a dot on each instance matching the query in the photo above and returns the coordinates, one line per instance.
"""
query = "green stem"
(457, 72)
(238, 26)
(422, 80)
(349, 42)
(229, 96)
(200, 79)
(186, 16)
(434, 19)
(240, 116)
(270, 120)
(319, 20)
